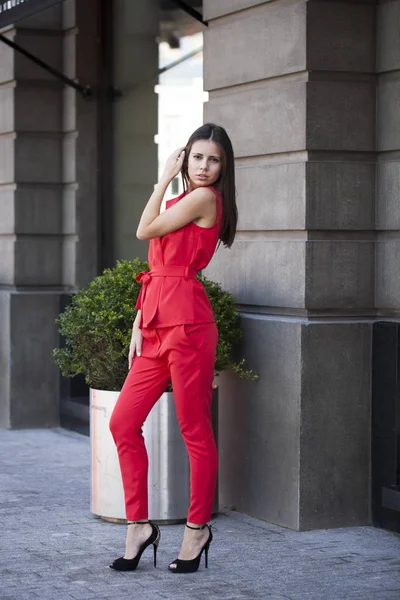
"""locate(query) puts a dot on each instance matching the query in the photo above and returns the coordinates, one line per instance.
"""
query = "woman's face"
(204, 163)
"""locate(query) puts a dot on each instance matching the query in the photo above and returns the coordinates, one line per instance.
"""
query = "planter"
(168, 478)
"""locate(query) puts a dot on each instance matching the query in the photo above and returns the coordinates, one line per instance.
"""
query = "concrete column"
(299, 103)
(136, 26)
(47, 204)
(30, 224)
(388, 170)
(80, 145)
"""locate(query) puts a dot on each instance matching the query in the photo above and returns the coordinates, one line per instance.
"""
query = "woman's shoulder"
(215, 191)
(208, 194)
(213, 199)
(218, 199)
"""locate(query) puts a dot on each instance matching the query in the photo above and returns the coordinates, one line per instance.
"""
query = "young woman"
(174, 338)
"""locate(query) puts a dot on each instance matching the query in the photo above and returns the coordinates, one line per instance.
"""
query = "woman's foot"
(140, 535)
(196, 539)
(193, 541)
(136, 535)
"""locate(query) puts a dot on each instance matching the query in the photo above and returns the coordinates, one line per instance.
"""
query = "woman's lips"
(202, 177)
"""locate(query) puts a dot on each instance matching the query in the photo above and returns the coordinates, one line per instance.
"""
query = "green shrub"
(97, 327)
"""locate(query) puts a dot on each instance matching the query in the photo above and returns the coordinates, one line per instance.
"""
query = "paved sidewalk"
(52, 548)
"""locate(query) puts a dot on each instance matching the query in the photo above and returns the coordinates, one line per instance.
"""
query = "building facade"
(309, 92)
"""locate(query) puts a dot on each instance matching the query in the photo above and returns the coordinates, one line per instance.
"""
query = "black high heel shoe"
(190, 566)
(125, 564)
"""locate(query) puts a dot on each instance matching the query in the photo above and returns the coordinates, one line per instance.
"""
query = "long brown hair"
(226, 181)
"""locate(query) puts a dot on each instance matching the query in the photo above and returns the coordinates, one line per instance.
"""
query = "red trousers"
(184, 354)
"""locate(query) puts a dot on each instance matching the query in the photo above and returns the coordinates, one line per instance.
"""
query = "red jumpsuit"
(179, 344)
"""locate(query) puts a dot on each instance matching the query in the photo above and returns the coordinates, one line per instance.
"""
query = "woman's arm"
(152, 208)
(136, 340)
(197, 204)
(136, 322)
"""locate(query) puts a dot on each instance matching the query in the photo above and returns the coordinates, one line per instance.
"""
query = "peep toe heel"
(191, 566)
(125, 564)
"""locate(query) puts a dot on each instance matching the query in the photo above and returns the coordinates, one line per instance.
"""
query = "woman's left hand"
(174, 164)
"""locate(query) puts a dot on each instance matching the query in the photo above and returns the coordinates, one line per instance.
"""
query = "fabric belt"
(145, 277)
(166, 271)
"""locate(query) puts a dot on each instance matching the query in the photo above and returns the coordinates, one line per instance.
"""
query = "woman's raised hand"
(174, 164)
(136, 345)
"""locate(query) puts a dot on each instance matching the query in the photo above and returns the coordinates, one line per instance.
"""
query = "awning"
(15, 10)
(12, 11)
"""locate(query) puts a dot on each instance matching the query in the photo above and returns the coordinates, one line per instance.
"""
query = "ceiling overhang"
(12, 11)
(190, 8)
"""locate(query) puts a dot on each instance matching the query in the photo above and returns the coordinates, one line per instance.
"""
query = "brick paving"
(52, 548)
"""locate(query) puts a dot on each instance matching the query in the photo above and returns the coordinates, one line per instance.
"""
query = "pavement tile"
(52, 548)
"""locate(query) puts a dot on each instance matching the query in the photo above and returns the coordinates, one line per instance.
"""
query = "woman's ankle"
(138, 522)
(196, 526)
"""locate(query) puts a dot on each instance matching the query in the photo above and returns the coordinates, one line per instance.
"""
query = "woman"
(174, 338)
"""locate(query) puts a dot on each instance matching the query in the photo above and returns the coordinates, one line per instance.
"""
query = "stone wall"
(299, 103)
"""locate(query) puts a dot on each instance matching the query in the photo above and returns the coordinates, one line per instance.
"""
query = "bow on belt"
(162, 271)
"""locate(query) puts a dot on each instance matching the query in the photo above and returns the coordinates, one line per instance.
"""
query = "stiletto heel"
(125, 564)
(190, 566)
(206, 555)
(155, 548)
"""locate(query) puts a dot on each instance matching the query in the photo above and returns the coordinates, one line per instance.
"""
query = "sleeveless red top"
(171, 295)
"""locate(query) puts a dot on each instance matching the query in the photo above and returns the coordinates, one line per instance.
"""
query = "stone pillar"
(80, 249)
(299, 103)
(136, 26)
(47, 204)
(30, 222)
(388, 171)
